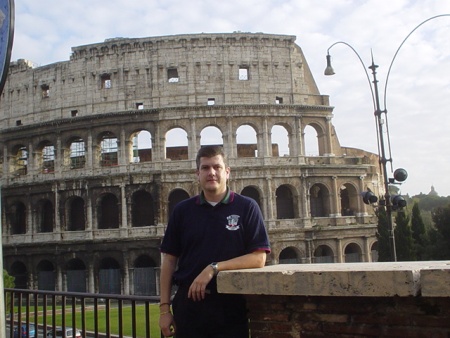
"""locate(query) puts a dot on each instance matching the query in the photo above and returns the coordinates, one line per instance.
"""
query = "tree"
(419, 233)
(441, 219)
(8, 281)
(403, 238)
(384, 253)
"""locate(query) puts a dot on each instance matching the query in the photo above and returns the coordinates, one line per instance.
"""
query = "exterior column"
(59, 156)
(59, 279)
(335, 199)
(269, 202)
(193, 141)
(91, 278)
(123, 149)
(339, 255)
(231, 139)
(264, 139)
(329, 143)
(367, 257)
(57, 218)
(126, 274)
(123, 202)
(90, 151)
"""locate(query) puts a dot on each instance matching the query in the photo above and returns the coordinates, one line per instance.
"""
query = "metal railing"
(91, 314)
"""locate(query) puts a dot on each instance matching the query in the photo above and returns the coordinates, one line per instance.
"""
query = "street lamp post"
(381, 119)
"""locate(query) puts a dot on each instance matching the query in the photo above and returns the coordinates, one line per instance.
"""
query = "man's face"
(212, 175)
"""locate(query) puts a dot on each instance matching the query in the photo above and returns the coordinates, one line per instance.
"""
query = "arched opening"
(108, 212)
(141, 146)
(142, 211)
(77, 154)
(246, 141)
(46, 275)
(77, 215)
(374, 252)
(289, 256)
(18, 218)
(311, 142)
(76, 275)
(108, 150)
(46, 216)
(48, 158)
(319, 195)
(285, 202)
(211, 136)
(252, 193)
(280, 141)
(109, 276)
(349, 200)
(175, 197)
(20, 274)
(145, 278)
(323, 254)
(177, 148)
(352, 253)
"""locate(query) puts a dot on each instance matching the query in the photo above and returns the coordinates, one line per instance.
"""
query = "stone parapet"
(403, 299)
(345, 279)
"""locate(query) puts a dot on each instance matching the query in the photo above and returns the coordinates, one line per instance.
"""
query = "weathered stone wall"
(404, 299)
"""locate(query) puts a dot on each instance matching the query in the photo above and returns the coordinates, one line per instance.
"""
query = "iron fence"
(48, 310)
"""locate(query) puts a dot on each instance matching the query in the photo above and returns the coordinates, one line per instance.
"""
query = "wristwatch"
(215, 267)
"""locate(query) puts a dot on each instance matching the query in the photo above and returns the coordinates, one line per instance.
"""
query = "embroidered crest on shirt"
(233, 222)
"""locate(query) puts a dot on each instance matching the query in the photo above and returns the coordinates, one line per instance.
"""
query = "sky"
(417, 88)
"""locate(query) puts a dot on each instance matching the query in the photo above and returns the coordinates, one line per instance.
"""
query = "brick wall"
(301, 316)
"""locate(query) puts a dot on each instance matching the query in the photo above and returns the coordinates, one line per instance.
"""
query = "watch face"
(6, 38)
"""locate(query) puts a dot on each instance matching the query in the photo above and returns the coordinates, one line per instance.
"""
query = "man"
(215, 231)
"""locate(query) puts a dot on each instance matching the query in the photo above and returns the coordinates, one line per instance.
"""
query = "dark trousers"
(217, 316)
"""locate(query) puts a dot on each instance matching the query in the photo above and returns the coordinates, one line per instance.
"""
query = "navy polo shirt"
(199, 233)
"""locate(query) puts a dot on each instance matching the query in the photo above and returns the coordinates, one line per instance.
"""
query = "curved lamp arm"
(398, 49)
(329, 70)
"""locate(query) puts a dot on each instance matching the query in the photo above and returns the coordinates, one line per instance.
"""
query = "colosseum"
(98, 149)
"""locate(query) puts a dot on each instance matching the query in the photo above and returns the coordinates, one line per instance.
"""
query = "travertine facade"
(98, 149)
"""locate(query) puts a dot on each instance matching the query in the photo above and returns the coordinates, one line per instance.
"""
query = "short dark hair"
(209, 151)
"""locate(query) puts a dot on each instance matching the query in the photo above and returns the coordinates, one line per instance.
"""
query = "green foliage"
(419, 233)
(441, 236)
(384, 254)
(403, 238)
(8, 281)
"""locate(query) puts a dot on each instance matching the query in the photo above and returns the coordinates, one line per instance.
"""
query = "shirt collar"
(228, 198)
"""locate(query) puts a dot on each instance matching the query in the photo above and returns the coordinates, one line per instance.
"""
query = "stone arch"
(75, 153)
(17, 216)
(211, 135)
(314, 140)
(349, 199)
(323, 254)
(19, 272)
(108, 149)
(46, 277)
(46, 216)
(319, 196)
(289, 255)
(45, 156)
(76, 275)
(142, 209)
(75, 214)
(144, 276)
(141, 146)
(109, 277)
(246, 141)
(175, 197)
(108, 214)
(374, 252)
(18, 164)
(177, 145)
(280, 140)
(285, 200)
(352, 253)
(254, 193)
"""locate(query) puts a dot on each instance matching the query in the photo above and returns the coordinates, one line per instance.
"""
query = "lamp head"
(329, 70)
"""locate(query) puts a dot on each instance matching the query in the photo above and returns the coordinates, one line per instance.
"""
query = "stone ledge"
(429, 279)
